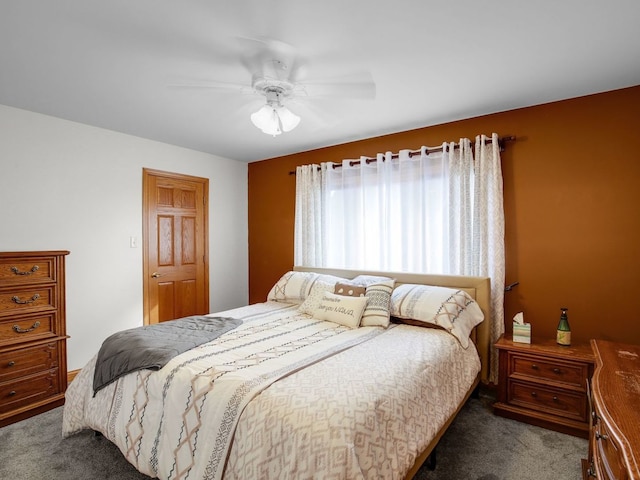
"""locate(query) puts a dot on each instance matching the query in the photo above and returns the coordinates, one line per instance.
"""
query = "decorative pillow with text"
(340, 309)
(315, 296)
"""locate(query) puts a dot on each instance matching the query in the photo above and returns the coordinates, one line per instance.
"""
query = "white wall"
(69, 186)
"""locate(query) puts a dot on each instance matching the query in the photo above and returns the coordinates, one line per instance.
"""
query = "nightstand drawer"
(549, 400)
(568, 373)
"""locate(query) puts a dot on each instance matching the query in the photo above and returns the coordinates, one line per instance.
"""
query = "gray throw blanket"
(152, 346)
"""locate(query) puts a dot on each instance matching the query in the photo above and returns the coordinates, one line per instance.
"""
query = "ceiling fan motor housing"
(274, 90)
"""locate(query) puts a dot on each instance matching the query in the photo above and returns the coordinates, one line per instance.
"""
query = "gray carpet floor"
(477, 446)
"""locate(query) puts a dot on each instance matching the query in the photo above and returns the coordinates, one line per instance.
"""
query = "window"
(435, 213)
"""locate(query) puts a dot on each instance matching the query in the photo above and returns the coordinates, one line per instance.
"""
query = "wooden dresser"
(614, 444)
(545, 384)
(33, 354)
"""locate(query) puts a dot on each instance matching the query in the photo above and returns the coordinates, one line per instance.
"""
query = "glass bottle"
(564, 331)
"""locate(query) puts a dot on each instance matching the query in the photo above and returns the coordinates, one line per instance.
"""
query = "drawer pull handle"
(534, 394)
(17, 271)
(11, 363)
(534, 366)
(557, 371)
(601, 436)
(17, 328)
(555, 399)
(12, 393)
(17, 300)
(591, 472)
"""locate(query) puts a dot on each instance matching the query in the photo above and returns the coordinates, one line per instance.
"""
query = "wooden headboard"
(478, 287)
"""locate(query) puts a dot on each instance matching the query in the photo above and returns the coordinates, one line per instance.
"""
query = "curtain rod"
(368, 160)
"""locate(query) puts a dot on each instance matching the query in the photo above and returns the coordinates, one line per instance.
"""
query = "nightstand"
(545, 384)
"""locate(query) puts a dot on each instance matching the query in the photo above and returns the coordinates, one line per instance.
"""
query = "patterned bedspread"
(283, 396)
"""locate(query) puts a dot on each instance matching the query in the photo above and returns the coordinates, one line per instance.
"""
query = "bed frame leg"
(476, 392)
(431, 460)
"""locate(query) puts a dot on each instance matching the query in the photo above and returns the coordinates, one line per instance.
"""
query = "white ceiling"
(108, 63)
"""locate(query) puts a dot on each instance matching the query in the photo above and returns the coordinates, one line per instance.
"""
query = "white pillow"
(454, 310)
(367, 280)
(339, 309)
(379, 304)
(292, 287)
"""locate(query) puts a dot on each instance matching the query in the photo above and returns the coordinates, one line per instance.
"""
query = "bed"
(297, 391)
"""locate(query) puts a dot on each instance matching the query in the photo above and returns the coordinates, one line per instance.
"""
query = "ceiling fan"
(278, 73)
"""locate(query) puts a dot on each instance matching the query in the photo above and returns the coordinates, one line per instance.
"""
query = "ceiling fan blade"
(311, 113)
(355, 90)
(224, 87)
(358, 85)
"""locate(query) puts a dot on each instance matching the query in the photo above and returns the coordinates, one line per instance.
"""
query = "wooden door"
(175, 243)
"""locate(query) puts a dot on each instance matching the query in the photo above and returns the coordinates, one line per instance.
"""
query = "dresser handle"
(17, 328)
(555, 399)
(17, 300)
(601, 436)
(33, 270)
(591, 472)
(12, 393)
(557, 370)
(534, 366)
(534, 394)
(11, 363)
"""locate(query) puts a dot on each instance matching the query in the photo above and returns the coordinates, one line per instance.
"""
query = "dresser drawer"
(20, 299)
(28, 361)
(607, 455)
(27, 270)
(20, 329)
(27, 390)
(549, 400)
(564, 372)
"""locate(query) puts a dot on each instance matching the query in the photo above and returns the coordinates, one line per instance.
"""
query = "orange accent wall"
(572, 210)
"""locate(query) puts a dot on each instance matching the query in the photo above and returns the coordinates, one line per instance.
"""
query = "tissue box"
(522, 332)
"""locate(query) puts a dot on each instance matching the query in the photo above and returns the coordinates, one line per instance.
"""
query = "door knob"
(156, 275)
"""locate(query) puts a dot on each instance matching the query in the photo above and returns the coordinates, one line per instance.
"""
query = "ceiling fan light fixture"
(288, 119)
(274, 118)
(266, 119)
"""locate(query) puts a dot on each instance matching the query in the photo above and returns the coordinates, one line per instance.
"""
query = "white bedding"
(283, 396)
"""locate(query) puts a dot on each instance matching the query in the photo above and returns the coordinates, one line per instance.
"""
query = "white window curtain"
(440, 212)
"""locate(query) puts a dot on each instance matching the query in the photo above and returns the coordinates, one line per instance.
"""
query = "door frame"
(146, 272)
